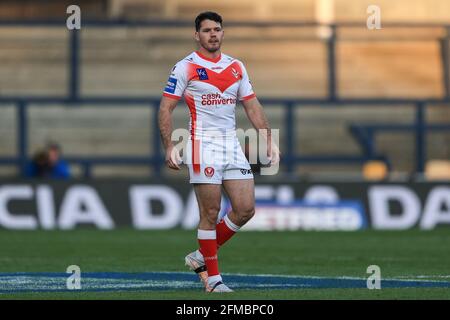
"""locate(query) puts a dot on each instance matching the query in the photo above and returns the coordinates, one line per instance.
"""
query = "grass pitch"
(404, 255)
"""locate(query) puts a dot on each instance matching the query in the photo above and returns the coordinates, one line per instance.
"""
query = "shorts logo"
(209, 172)
(246, 171)
(202, 75)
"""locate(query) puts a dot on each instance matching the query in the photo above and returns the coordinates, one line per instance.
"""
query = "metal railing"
(364, 134)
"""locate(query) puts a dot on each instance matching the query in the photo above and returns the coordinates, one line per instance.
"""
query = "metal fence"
(364, 134)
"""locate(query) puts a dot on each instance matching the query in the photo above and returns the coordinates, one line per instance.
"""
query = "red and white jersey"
(211, 89)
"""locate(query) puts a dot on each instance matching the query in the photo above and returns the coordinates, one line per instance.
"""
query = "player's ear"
(196, 36)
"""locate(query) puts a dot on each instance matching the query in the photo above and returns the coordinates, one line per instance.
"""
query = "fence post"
(74, 64)
(87, 168)
(370, 144)
(331, 62)
(290, 137)
(445, 52)
(420, 127)
(156, 141)
(22, 135)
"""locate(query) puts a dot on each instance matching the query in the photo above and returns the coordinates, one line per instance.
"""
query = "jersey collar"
(209, 59)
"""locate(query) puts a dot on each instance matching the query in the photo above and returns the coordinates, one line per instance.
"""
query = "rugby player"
(212, 83)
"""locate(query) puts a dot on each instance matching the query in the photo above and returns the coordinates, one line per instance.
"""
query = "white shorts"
(216, 159)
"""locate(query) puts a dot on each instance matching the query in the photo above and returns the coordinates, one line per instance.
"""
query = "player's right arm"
(165, 127)
(172, 93)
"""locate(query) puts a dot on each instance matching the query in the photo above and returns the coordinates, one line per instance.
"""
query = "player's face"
(210, 35)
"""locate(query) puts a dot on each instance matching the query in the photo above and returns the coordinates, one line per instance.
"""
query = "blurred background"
(364, 120)
(352, 103)
(343, 96)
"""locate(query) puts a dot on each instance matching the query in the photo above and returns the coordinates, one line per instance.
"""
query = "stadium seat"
(437, 170)
(375, 170)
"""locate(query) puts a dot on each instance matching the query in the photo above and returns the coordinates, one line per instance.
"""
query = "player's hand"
(274, 154)
(173, 159)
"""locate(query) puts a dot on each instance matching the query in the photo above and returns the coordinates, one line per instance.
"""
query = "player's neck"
(211, 56)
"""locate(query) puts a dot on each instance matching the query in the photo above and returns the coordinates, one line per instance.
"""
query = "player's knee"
(246, 214)
(210, 214)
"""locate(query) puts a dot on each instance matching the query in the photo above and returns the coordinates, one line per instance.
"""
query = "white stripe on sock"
(230, 224)
(206, 234)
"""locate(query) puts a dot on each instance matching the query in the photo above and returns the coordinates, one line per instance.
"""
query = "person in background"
(47, 163)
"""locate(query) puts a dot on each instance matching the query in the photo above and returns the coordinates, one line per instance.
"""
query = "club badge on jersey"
(235, 73)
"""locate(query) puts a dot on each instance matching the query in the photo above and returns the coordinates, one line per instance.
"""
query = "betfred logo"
(209, 172)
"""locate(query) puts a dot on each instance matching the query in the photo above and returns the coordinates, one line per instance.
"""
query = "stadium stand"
(284, 63)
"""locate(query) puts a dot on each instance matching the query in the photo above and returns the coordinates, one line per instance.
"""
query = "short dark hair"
(52, 145)
(207, 15)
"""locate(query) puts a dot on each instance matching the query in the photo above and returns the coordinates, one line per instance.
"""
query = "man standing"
(211, 83)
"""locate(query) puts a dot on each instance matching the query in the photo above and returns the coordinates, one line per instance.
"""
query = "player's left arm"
(258, 119)
(256, 115)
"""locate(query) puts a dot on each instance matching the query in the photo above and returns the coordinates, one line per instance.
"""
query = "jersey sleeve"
(177, 82)
(245, 91)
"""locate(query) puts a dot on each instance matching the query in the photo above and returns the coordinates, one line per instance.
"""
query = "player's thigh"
(208, 197)
(241, 193)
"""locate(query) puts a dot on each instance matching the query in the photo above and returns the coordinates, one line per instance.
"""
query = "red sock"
(225, 229)
(208, 248)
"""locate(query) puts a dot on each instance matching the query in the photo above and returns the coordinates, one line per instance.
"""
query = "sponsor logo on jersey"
(171, 85)
(246, 171)
(202, 74)
(216, 68)
(213, 99)
(209, 172)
